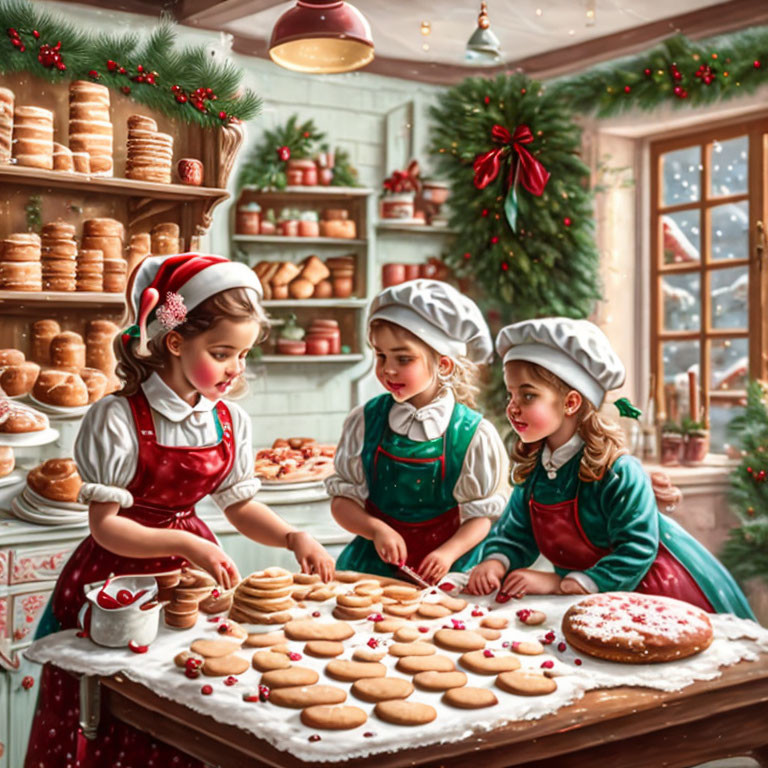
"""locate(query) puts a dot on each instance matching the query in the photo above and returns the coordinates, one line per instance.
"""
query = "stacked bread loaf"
(90, 129)
(139, 248)
(165, 239)
(41, 332)
(17, 375)
(150, 153)
(20, 268)
(68, 351)
(106, 235)
(62, 158)
(90, 270)
(33, 137)
(6, 124)
(99, 350)
(59, 255)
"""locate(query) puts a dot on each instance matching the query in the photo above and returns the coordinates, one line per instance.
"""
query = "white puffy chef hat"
(575, 350)
(439, 315)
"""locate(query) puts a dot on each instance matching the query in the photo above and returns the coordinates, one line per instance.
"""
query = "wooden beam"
(213, 14)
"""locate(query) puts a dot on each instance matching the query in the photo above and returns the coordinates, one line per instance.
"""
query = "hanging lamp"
(483, 47)
(321, 37)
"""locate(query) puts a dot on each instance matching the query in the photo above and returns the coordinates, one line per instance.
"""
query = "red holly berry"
(206, 690)
(315, 614)
(484, 212)
(181, 97)
(121, 70)
(230, 680)
(547, 664)
(315, 737)
(487, 100)
(467, 256)
(222, 115)
(193, 663)
(12, 32)
(423, 629)
(373, 643)
(111, 65)
(126, 89)
(293, 656)
(368, 734)
(35, 34)
(136, 648)
(627, 89)
(567, 221)
(561, 647)
(150, 78)
(94, 74)
(27, 682)
(494, 240)
(577, 662)
(488, 653)
(192, 672)
(175, 88)
(477, 612)
(504, 266)
(306, 134)
(139, 68)
(647, 72)
(756, 64)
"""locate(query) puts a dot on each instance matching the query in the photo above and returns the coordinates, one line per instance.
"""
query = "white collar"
(433, 418)
(168, 404)
(553, 460)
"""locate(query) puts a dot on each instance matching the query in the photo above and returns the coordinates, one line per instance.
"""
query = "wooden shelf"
(74, 299)
(36, 177)
(282, 240)
(309, 303)
(318, 191)
(290, 359)
(422, 229)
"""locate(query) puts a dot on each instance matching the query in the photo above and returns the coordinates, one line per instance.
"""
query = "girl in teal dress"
(579, 499)
(418, 470)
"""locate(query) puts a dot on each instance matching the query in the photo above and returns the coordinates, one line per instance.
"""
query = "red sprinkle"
(192, 672)
(577, 662)
(547, 664)
(206, 690)
(315, 613)
(215, 619)
(503, 597)
(477, 612)
(423, 629)
(523, 614)
(447, 587)
(231, 680)
(376, 617)
(293, 656)
(373, 643)
(488, 653)
(315, 737)
(368, 734)
(561, 647)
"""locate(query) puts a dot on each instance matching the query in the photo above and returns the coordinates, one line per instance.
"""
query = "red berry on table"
(193, 663)
(206, 690)
(547, 664)
(368, 734)
(192, 672)
(373, 643)
(136, 648)
(488, 653)
(27, 682)
(423, 629)
(293, 656)
(577, 662)
(230, 680)
(315, 614)
(126, 89)
(477, 612)
(315, 737)
(215, 619)
(561, 647)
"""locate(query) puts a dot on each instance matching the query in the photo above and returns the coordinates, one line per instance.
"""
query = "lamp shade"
(321, 36)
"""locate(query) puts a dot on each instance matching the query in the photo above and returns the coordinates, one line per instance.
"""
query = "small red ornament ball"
(647, 72)
(504, 267)
(523, 91)
(494, 240)
(756, 64)
(467, 256)
(35, 34)
(222, 115)
(627, 89)
(567, 221)
(94, 74)
(677, 90)
(484, 212)
(181, 97)
(487, 100)
(306, 134)
(126, 89)
(284, 153)
(27, 682)
(111, 65)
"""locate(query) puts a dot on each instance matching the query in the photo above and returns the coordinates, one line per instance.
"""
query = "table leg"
(90, 705)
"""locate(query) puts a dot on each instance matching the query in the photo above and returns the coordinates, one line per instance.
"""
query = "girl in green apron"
(418, 470)
(579, 500)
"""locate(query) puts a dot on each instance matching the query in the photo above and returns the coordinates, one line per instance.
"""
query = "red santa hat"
(172, 286)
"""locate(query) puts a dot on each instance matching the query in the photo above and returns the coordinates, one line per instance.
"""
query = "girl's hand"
(435, 565)
(390, 545)
(486, 577)
(572, 587)
(525, 581)
(212, 558)
(310, 555)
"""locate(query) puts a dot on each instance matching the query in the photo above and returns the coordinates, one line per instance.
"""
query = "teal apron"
(410, 487)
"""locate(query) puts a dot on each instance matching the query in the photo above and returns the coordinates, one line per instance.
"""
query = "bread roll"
(16, 418)
(99, 352)
(7, 460)
(11, 357)
(68, 352)
(17, 380)
(56, 479)
(41, 333)
(60, 388)
(96, 382)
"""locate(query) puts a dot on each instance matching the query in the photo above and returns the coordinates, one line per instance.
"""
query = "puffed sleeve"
(511, 539)
(106, 451)
(629, 508)
(349, 478)
(240, 484)
(481, 484)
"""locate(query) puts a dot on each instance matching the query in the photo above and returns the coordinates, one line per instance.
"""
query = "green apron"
(410, 487)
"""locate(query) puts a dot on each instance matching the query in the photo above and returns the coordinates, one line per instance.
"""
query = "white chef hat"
(439, 315)
(575, 350)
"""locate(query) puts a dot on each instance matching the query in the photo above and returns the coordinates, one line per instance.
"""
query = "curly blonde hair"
(603, 440)
(463, 380)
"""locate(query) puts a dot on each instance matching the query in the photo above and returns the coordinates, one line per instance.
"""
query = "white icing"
(734, 639)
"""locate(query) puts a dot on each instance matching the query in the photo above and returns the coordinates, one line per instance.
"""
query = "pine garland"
(746, 551)
(678, 71)
(179, 83)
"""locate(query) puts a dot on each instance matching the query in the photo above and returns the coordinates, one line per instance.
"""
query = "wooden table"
(616, 727)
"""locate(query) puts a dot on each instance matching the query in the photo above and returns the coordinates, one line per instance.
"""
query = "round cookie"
(333, 718)
(345, 613)
(369, 588)
(494, 622)
(301, 696)
(364, 653)
(309, 629)
(264, 605)
(488, 634)
(407, 634)
(375, 689)
(212, 649)
(470, 698)
(348, 577)
(481, 664)
(530, 617)
(306, 578)
(288, 678)
(398, 592)
(264, 594)
(180, 659)
(321, 593)
(455, 604)
(399, 712)
(412, 649)
(389, 625)
(221, 666)
(525, 682)
(433, 611)
(264, 661)
(324, 649)
(351, 600)
(459, 640)
(439, 681)
(413, 664)
(527, 647)
(350, 671)
(270, 578)
(264, 639)
(403, 610)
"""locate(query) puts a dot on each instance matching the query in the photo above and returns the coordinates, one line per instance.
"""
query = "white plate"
(25, 439)
(47, 511)
(16, 476)
(20, 509)
(59, 410)
(36, 501)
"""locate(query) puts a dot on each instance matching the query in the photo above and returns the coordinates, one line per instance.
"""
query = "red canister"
(190, 171)
(392, 274)
(412, 271)
(318, 344)
(327, 329)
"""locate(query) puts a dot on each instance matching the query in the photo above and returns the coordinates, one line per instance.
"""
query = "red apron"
(561, 539)
(169, 481)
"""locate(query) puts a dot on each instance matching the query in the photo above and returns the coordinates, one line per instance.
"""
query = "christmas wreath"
(185, 84)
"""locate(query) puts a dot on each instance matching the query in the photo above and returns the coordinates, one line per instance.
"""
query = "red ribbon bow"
(405, 181)
(532, 174)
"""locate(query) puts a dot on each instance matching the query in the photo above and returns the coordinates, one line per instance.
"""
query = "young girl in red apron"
(418, 471)
(147, 455)
(580, 500)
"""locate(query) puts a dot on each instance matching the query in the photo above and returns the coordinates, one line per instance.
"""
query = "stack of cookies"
(62, 158)
(363, 600)
(90, 270)
(20, 268)
(185, 597)
(33, 137)
(59, 254)
(6, 124)
(264, 597)
(165, 239)
(138, 249)
(150, 153)
(99, 349)
(90, 129)
(106, 235)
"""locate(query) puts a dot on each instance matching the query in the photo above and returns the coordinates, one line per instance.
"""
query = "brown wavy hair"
(603, 440)
(464, 378)
(234, 304)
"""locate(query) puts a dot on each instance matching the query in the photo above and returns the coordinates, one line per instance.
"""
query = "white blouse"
(107, 449)
(480, 489)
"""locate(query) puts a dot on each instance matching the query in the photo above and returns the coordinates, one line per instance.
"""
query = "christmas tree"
(746, 551)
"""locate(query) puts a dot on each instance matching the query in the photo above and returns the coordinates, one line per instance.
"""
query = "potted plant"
(696, 441)
(672, 444)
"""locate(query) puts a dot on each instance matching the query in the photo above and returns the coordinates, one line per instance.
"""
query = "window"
(708, 288)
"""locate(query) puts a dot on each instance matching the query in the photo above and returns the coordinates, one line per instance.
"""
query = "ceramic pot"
(671, 448)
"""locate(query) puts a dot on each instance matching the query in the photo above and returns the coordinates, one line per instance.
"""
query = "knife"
(411, 574)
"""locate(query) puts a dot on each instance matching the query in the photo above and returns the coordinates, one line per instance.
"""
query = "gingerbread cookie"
(180, 659)
(324, 648)
(433, 611)
(439, 681)
(301, 696)
(401, 593)
(494, 622)
(288, 678)
(309, 629)
(489, 662)
(530, 617)
(214, 648)
(525, 682)
(389, 625)
(527, 647)
(352, 600)
(306, 578)
(401, 712)
(488, 634)
(321, 593)
(459, 640)
(264, 661)
(412, 649)
(221, 666)
(455, 604)
(265, 639)
(333, 718)
(364, 653)
(413, 664)
(402, 610)
(470, 698)
(407, 634)
(375, 689)
(344, 613)
(349, 671)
